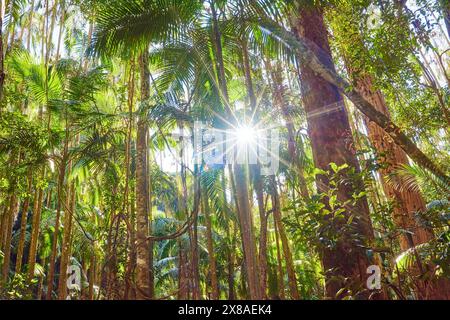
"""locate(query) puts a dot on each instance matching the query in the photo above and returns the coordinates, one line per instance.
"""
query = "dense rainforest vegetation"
(107, 191)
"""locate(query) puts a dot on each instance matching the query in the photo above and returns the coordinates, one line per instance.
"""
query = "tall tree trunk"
(330, 135)
(35, 230)
(59, 205)
(280, 272)
(144, 283)
(193, 237)
(65, 250)
(92, 269)
(13, 202)
(256, 174)
(128, 205)
(8, 220)
(50, 32)
(183, 275)
(293, 288)
(23, 223)
(243, 206)
(263, 267)
(230, 234)
(246, 227)
(210, 246)
(3, 223)
(30, 23)
(61, 30)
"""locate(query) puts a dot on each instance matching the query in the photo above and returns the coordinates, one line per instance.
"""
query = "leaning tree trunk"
(144, 283)
(311, 56)
(330, 134)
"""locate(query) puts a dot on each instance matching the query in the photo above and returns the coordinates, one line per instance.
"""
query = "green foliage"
(18, 288)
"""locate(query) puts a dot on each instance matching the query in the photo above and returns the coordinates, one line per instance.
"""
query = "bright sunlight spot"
(246, 135)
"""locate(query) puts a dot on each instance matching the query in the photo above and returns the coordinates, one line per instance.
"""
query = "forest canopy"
(224, 149)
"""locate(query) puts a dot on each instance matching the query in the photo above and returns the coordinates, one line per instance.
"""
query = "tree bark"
(35, 230)
(280, 272)
(330, 135)
(144, 282)
(65, 250)
(60, 199)
(246, 227)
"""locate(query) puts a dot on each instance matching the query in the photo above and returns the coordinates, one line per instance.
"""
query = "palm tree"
(116, 32)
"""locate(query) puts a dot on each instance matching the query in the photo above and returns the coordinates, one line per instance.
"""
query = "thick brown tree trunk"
(331, 136)
(144, 283)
